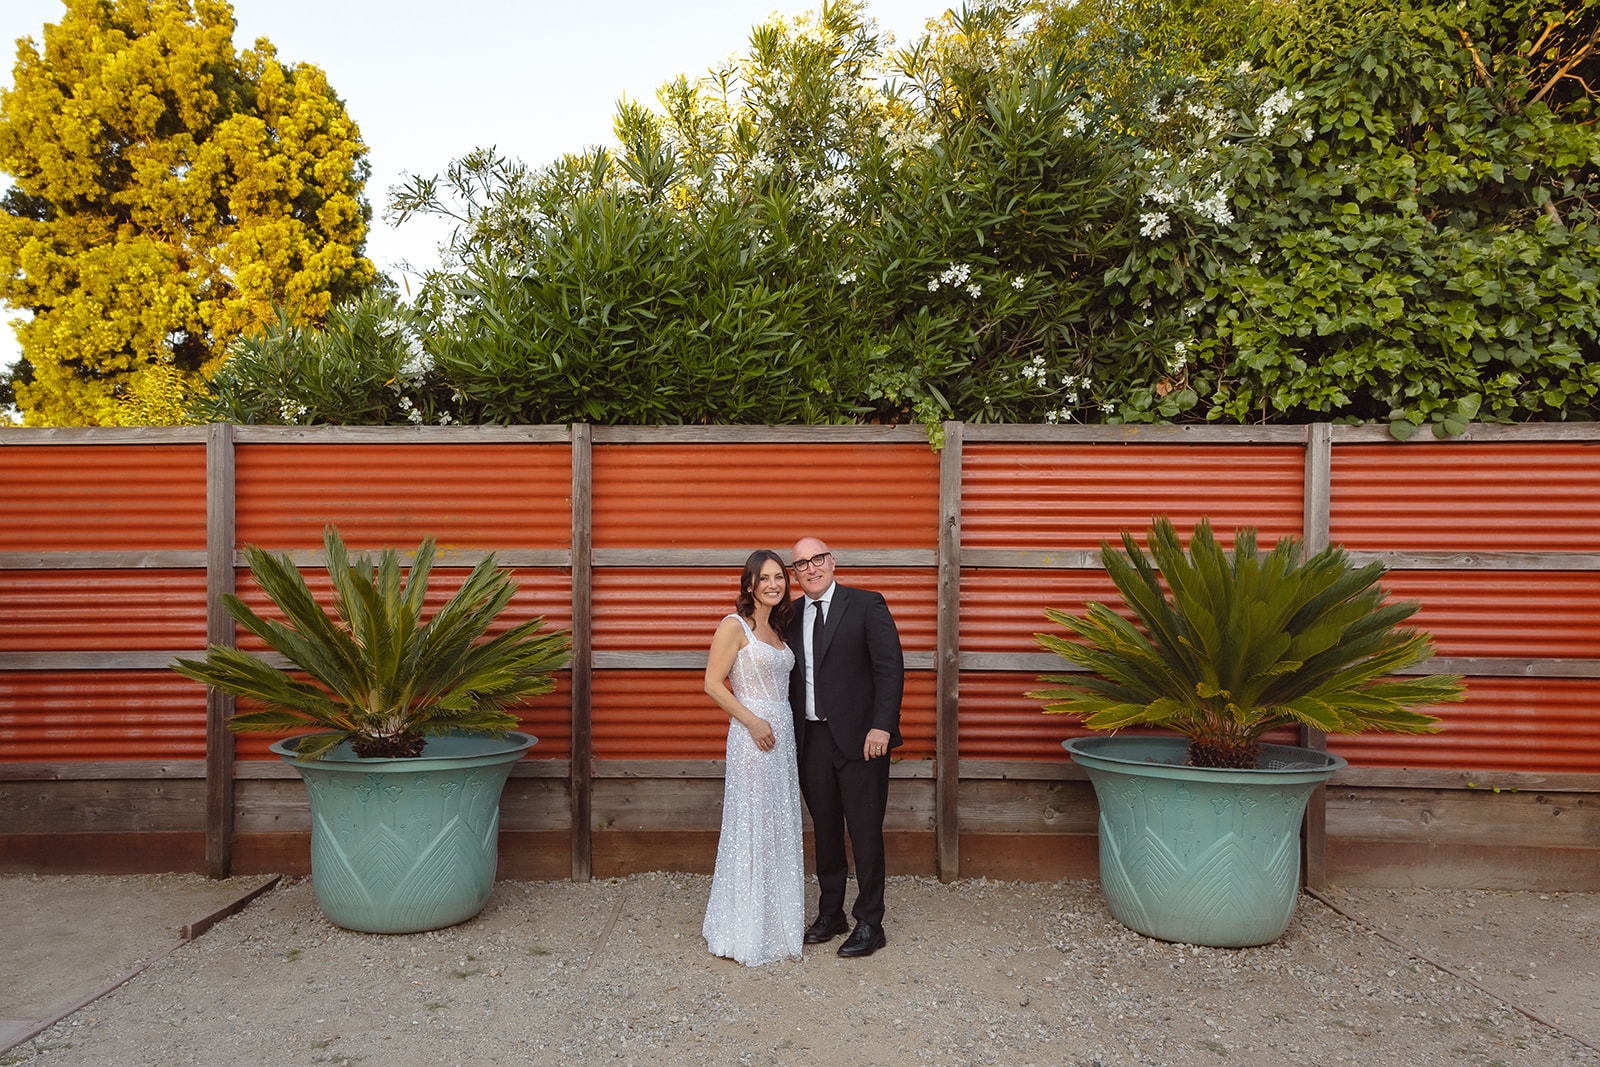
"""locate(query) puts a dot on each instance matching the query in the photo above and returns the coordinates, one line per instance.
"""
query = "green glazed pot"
(1194, 854)
(402, 845)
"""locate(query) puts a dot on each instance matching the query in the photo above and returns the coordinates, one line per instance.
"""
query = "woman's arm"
(724, 648)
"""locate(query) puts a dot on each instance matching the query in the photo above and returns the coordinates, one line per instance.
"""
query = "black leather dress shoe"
(822, 929)
(864, 940)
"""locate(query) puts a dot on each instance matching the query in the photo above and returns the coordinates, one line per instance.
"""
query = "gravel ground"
(976, 972)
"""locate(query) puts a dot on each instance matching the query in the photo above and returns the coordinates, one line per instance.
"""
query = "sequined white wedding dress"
(756, 913)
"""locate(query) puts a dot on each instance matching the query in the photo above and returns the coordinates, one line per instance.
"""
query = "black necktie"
(816, 631)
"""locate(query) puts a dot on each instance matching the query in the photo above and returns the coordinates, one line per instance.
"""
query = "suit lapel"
(832, 617)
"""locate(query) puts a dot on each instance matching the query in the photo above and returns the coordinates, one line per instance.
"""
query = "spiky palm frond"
(380, 672)
(1228, 646)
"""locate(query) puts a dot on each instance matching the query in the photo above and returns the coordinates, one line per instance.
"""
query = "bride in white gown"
(756, 913)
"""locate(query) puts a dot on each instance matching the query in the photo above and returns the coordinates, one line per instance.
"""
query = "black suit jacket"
(860, 671)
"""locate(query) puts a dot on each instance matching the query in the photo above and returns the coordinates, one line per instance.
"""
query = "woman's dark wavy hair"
(783, 612)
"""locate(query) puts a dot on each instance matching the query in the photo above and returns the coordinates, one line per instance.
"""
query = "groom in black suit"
(845, 691)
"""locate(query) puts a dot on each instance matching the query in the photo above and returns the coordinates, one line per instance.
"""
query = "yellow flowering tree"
(168, 191)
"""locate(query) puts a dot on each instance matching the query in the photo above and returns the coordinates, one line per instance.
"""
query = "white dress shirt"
(806, 629)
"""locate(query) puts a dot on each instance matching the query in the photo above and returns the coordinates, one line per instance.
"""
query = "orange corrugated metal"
(79, 611)
(1073, 496)
(637, 608)
(998, 721)
(1513, 724)
(765, 495)
(465, 496)
(1467, 497)
(667, 715)
(100, 715)
(1001, 610)
(84, 498)
(1553, 614)
(744, 496)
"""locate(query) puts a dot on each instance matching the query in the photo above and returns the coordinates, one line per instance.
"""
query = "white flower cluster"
(291, 411)
(1155, 224)
(1276, 106)
(417, 361)
(1212, 205)
(1019, 282)
(848, 277)
(830, 196)
(956, 276)
(411, 410)
(1180, 358)
(1075, 121)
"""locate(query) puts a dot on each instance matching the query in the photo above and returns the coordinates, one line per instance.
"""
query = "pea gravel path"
(976, 972)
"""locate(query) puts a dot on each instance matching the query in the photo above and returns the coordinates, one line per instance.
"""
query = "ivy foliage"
(1109, 210)
(168, 191)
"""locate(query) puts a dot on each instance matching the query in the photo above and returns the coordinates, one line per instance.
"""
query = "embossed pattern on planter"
(1244, 878)
(399, 846)
(426, 849)
(1186, 859)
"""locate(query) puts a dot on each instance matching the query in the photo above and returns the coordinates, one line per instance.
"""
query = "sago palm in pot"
(1199, 834)
(381, 677)
(424, 707)
(1231, 645)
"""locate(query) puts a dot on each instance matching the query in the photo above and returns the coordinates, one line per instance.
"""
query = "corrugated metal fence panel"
(765, 496)
(1073, 496)
(999, 722)
(679, 609)
(744, 496)
(1466, 497)
(82, 611)
(1554, 614)
(103, 498)
(1517, 724)
(540, 592)
(1001, 610)
(465, 496)
(101, 715)
(667, 715)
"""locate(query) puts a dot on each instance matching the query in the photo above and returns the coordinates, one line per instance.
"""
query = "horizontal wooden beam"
(96, 661)
(1143, 434)
(1089, 560)
(970, 769)
(400, 435)
(92, 770)
(679, 660)
(452, 557)
(723, 558)
(1032, 559)
(177, 559)
(713, 768)
(1471, 666)
(1482, 561)
(1500, 433)
(1023, 770)
(744, 435)
(103, 435)
(1487, 781)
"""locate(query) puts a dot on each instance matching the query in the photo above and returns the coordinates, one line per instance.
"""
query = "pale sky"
(429, 82)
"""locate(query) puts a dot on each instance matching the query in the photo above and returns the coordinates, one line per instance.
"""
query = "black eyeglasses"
(807, 564)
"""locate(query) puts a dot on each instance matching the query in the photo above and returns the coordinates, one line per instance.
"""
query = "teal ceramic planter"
(1194, 854)
(402, 845)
